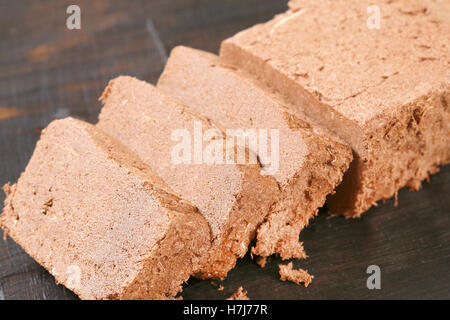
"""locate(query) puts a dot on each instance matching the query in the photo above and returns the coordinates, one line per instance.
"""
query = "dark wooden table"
(49, 72)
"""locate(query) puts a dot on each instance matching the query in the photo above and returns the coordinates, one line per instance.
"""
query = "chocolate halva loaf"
(376, 74)
(310, 163)
(94, 215)
(102, 207)
(234, 198)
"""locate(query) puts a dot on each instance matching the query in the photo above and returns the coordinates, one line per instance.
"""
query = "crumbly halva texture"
(240, 294)
(310, 163)
(234, 198)
(261, 261)
(385, 91)
(95, 216)
(288, 273)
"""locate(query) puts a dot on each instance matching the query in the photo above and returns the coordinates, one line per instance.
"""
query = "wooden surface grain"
(49, 72)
